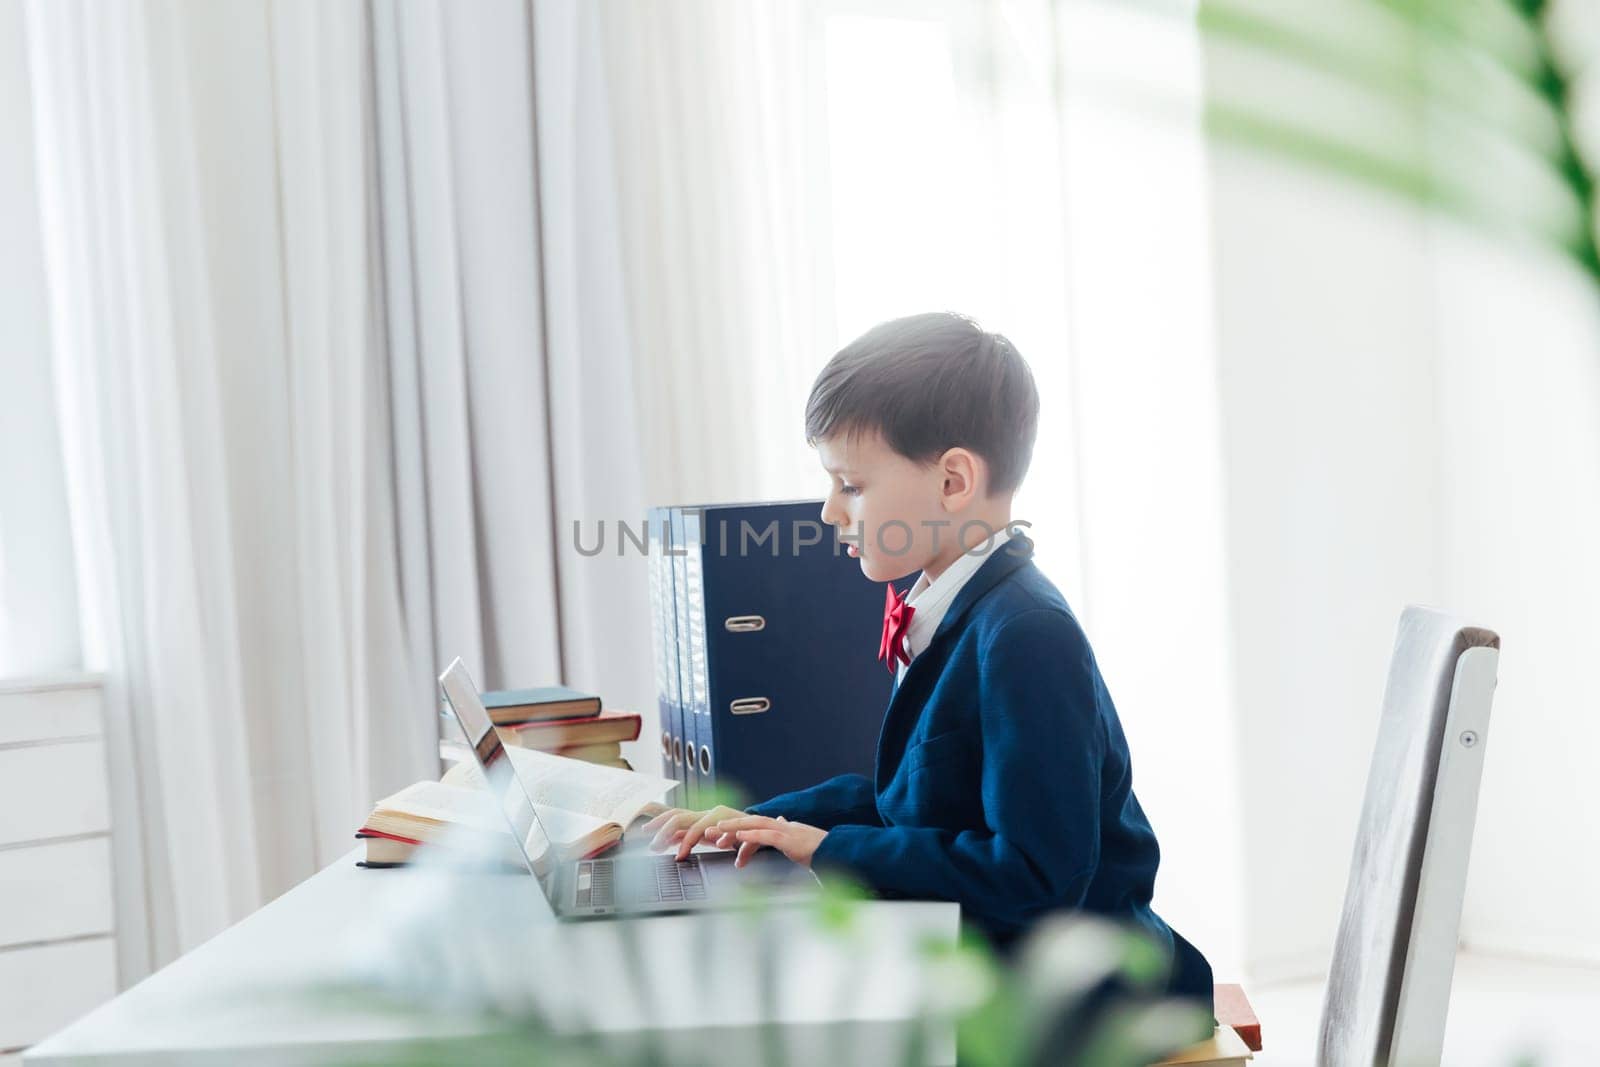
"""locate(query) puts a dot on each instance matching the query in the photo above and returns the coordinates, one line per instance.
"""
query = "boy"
(1003, 778)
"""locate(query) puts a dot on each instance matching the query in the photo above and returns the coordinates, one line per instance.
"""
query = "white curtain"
(38, 588)
(517, 417)
(722, 189)
(342, 347)
(203, 186)
(584, 317)
(464, 313)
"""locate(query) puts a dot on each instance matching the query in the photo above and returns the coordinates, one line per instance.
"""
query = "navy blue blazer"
(1003, 780)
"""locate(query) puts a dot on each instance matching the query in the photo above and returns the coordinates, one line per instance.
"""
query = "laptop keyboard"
(679, 881)
(672, 881)
(594, 884)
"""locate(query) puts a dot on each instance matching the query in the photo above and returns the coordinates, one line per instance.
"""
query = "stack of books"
(564, 722)
(583, 810)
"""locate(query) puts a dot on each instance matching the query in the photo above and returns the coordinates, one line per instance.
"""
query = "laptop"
(630, 882)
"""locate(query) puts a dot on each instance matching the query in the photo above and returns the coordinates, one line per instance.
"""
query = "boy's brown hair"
(929, 383)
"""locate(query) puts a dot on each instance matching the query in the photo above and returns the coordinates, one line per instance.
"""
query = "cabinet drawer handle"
(740, 624)
(749, 705)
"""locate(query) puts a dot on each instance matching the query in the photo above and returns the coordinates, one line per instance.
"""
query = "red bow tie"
(896, 621)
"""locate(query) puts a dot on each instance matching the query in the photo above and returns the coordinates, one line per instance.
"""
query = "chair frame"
(1388, 993)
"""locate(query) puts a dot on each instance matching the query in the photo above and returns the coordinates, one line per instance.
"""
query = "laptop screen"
(504, 785)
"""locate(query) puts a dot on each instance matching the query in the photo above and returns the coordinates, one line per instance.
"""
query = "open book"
(582, 807)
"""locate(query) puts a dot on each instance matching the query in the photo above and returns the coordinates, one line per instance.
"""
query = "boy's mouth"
(853, 550)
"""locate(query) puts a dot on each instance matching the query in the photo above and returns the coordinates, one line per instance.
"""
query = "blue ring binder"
(773, 631)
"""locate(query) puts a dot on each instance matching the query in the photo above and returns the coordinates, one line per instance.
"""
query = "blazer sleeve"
(1044, 743)
(848, 798)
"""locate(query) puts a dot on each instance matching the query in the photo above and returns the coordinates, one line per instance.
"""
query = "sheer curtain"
(38, 588)
(202, 185)
(464, 314)
(344, 364)
(716, 108)
(521, 422)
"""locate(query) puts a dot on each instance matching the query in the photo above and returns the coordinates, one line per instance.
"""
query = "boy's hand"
(795, 840)
(685, 827)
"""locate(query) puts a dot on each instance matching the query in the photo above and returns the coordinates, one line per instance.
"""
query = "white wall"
(1327, 407)
(1411, 413)
(1519, 496)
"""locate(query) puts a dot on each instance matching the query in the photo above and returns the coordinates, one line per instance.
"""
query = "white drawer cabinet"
(48, 986)
(58, 949)
(49, 791)
(55, 891)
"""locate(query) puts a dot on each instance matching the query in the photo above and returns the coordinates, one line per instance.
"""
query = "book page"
(445, 803)
(610, 794)
(566, 828)
(461, 803)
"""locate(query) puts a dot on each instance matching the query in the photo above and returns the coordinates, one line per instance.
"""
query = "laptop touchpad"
(768, 868)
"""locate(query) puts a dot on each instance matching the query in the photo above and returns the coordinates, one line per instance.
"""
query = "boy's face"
(885, 504)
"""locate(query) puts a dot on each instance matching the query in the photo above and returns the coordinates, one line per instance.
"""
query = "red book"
(1232, 1009)
(387, 850)
(550, 735)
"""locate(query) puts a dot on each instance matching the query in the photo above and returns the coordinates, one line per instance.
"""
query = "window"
(945, 193)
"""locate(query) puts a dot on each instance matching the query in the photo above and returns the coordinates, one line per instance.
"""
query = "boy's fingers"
(678, 820)
(764, 837)
(747, 822)
(665, 819)
(746, 850)
(660, 818)
(696, 832)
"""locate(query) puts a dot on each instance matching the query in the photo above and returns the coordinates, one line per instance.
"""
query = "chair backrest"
(1389, 985)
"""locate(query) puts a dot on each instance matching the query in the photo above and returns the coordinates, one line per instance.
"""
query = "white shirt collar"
(933, 599)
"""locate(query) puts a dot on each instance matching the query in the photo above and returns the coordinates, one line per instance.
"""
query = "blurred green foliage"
(1079, 991)
(1462, 104)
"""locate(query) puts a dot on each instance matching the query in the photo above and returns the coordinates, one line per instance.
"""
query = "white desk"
(250, 995)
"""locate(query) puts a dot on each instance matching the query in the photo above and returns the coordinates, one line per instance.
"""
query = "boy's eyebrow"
(837, 470)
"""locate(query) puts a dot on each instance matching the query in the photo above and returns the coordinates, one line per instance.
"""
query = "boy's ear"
(962, 472)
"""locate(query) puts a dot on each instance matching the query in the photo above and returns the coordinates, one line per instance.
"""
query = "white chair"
(1389, 987)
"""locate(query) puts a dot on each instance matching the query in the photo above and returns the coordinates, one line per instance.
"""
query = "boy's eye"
(849, 490)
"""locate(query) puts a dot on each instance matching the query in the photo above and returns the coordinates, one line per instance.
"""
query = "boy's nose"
(832, 515)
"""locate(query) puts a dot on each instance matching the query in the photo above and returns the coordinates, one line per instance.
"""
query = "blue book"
(507, 706)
